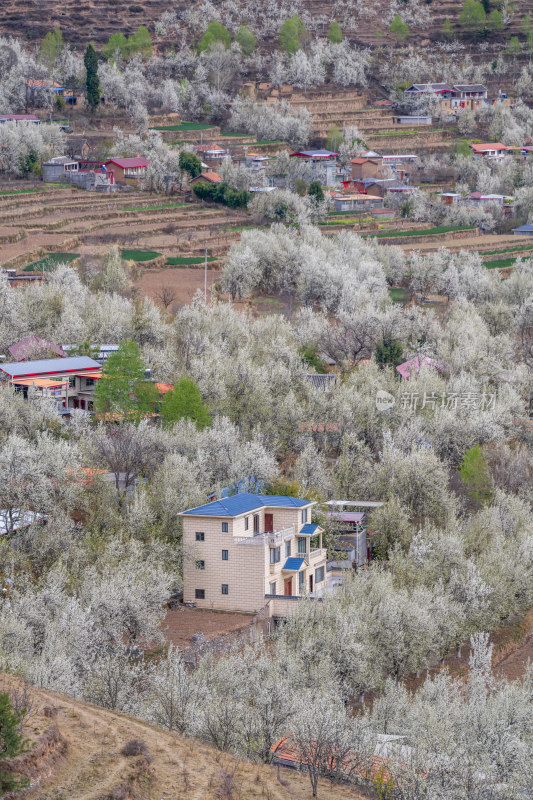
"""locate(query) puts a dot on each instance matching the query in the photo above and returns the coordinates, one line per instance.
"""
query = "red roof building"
(128, 170)
(207, 177)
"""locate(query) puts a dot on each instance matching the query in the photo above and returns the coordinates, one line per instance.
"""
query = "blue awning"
(293, 565)
(308, 530)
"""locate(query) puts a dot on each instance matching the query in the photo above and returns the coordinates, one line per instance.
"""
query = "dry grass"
(95, 767)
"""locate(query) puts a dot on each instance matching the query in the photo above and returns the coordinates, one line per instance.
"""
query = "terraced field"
(151, 231)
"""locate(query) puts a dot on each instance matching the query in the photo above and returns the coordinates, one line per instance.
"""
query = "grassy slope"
(182, 768)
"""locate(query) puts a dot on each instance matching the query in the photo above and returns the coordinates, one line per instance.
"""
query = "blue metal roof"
(308, 530)
(293, 564)
(524, 228)
(49, 366)
(243, 502)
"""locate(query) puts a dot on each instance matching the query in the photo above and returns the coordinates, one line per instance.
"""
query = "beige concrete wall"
(247, 572)
(243, 572)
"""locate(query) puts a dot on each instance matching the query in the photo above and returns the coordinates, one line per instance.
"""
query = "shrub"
(222, 193)
(473, 16)
(399, 29)
(216, 32)
(246, 40)
(190, 163)
(135, 747)
(316, 192)
(292, 34)
(335, 33)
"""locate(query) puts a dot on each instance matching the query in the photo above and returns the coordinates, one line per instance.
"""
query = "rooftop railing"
(272, 539)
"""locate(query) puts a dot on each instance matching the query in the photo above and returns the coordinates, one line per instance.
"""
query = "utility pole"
(205, 277)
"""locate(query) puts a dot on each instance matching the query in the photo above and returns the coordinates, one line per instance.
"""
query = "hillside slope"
(93, 767)
(96, 20)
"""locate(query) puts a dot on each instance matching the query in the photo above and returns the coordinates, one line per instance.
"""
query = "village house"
(56, 170)
(523, 230)
(211, 154)
(70, 381)
(127, 170)
(20, 119)
(206, 177)
(357, 202)
(248, 552)
(452, 99)
(490, 150)
(323, 164)
(36, 89)
(363, 168)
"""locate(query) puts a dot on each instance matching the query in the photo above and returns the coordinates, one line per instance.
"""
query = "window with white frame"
(273, 587)
(287, 549)
(304, 515)
(302, 545)
(275, 555)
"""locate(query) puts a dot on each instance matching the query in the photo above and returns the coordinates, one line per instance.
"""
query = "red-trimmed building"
(323, 164)
(128, 170)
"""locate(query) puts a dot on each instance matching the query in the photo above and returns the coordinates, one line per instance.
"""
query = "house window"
(273, 587)
(287, 549)
(89, 382)
(256, 523)
(302, 545)
(199, 594)
(304, 515)
(200, 537)
(225, 588)
(200, 565)
(275, 555)
(301, 582)
(319, 575)
(224, 527)
(225, 555)
(246, 523)
(72, 382)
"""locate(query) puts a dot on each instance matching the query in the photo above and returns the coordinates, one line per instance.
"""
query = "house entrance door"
(288, 587)
(310, 584)
(269, 523)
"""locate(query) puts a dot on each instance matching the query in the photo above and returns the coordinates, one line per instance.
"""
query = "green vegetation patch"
(19, 191)
(399, 295)
(174, 261)
(140, 255)
(185, 126)
(504, 263)
(50, 262)
(507, 250)
(425, 232)
(229, 133)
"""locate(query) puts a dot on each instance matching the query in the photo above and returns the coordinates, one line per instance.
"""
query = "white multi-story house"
(248, 552)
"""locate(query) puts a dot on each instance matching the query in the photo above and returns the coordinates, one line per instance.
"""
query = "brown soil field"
(72, 220)
(185, 282)
(489, 242)
(93, 767)
(181, 623)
